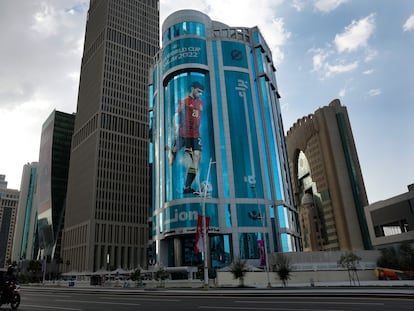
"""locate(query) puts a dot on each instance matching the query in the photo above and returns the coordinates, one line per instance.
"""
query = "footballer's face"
(197, 92)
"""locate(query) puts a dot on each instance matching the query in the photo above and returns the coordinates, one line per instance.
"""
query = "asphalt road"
(49, 299)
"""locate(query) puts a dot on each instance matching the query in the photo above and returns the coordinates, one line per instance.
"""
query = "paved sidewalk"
(375, 288)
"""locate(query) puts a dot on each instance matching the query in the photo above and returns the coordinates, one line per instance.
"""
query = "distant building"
(25, 244)
(52, 179)
(327, 181)
(9, 199)
(391, 221)
(106, 221)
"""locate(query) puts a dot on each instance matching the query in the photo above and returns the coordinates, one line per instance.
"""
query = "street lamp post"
(203, 211)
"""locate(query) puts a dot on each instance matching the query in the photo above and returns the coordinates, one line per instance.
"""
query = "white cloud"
(330, 60)
(368, 72)
(356, 35)
(370, 55)
(245, 14)
(328, 5)
(321, 63)
(340, 68)
(342, 93)
(319, 58)
(409, 24)
(374, 92)
(45, 20)
(298, 5)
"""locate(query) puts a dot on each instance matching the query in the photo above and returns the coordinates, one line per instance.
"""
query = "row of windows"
(125, 126)
(241, 34)
(87, 129)
(127, 106)
(112, 257)
(185, 28)
(127, 212)
(138, 20)
(116, 55)
(130, 42)
(119, 234)
(76, 236)
(93, 48)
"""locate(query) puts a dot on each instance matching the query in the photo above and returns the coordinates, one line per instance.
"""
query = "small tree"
(283, 268)
(349, 261)
(136, 276)
(161, 275)
(239, 269)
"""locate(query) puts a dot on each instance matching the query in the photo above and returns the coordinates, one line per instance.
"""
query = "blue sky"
(360, 51)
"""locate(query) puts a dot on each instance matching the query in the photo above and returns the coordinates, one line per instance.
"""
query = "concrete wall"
(301, 278)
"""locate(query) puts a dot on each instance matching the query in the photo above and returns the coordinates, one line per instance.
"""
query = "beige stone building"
(327, 181)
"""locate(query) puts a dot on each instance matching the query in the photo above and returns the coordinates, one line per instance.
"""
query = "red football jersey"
(190, 117)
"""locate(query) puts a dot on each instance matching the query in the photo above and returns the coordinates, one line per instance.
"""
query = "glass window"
(248, 245)
(185, 28)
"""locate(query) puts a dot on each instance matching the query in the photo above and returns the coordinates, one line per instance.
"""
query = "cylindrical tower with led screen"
(217, 145)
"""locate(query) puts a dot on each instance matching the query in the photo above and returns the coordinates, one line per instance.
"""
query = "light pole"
(262, 217)
(203, 211)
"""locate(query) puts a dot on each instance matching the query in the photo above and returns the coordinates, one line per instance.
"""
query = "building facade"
(106, 221)
(25, 242)
(52, 181)
(327, 181)
(391, 221)
(218, 145)
(9, 199)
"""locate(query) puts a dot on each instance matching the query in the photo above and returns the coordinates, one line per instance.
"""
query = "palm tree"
(239, 269)
(283, 268)
(349, 261)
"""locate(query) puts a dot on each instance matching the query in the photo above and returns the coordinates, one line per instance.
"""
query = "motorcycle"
(10, 294)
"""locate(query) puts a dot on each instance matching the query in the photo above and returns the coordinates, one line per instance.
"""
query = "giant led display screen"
(189, 137)
(189, 148)
(244, 145)
(188, 50)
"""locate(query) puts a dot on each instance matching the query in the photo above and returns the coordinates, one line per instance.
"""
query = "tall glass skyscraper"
(218, 142)
(52, 180)
(106, 221)
(25, 242)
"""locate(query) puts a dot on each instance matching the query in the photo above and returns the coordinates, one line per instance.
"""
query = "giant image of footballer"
(186, 128)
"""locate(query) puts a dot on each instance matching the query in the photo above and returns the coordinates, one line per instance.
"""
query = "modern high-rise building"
(25, 243)
(9, 199)
(219, 145)
(106, 222)
(52, 180)
(327, 181)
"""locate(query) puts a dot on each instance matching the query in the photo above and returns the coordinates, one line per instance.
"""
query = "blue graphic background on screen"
(220, 125)
(262, 140)
(273, 148)
(186, 216)
(250, 215)
(234, 54)
(188, 50)
(175, 174)
(240, 114)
